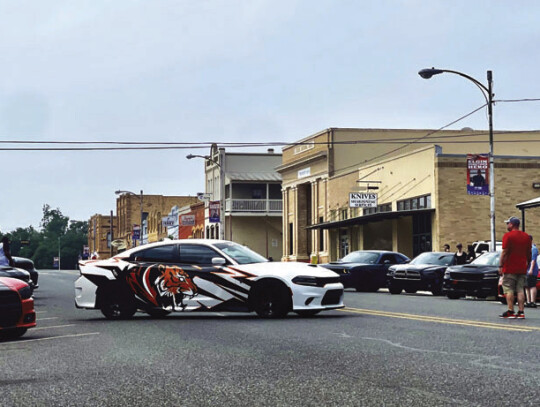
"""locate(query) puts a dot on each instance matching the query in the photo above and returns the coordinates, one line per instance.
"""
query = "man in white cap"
(515, 257)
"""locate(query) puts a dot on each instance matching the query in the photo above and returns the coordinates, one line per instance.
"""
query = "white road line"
(45, 319)
(41, 312)
(51, 327)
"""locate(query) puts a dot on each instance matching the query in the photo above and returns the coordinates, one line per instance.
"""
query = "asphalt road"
(382, 350)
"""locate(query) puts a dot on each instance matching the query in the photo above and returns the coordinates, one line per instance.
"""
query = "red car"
(17, 312)
(502, 296)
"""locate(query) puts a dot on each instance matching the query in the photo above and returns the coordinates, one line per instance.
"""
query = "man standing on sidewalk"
(515, 257)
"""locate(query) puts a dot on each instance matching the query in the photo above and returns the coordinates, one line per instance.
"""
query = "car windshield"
(488, 259)
(440, 259)
(240, 254)
(361, 257)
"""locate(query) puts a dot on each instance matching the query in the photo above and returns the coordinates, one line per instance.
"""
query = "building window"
(420, 202)
(343, 214)
(381, 208)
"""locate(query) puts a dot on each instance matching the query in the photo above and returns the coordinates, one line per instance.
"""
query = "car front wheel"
(272, 300)
(395, 290)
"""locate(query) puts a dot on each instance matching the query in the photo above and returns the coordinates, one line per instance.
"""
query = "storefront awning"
(373, 217)
(533, 203)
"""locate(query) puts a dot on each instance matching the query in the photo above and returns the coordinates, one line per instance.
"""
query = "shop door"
(422, 233)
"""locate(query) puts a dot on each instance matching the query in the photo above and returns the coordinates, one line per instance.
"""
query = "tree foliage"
(57, 231)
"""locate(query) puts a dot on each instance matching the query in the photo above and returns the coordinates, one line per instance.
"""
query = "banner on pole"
(214, 212)
(478, 174)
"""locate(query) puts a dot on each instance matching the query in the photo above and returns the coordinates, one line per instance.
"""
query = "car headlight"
(25, 292)
(305, 280)
(446, 274)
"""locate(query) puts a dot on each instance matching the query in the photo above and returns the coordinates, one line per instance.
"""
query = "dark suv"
(477, 279)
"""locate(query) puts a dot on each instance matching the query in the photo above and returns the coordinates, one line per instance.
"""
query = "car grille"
(332, 297)
(407, 274)
(467, 276)
(10, 308)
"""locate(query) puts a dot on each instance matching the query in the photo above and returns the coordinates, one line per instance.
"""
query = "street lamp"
(120, 192)
(221, 190)
(488, 95)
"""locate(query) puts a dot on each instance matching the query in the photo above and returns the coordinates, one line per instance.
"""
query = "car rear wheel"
(117, 308)
(395, 290)
(271, 300)
(453, 296)
(410, 290)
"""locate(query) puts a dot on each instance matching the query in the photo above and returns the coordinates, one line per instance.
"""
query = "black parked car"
(477, 279)
(424, 272)
(28, 265)
(365, 270)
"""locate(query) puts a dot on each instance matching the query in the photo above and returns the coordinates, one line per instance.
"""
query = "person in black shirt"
(460, 255)
(478, 180)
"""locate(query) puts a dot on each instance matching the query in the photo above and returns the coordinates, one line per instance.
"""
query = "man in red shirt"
(515, 257)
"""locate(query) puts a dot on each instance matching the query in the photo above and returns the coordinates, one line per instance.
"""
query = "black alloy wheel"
(272, 301)
(117, 308)
(395, 290)
(453, 296)
(410, 290)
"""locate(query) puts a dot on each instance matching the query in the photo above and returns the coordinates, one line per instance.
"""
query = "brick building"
(100, 233)
(420, 181)
(130, 208)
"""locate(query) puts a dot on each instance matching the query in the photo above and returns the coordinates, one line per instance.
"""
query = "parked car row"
(369, 270)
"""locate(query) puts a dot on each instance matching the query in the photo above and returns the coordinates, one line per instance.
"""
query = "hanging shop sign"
(214, 212)
(362, 200)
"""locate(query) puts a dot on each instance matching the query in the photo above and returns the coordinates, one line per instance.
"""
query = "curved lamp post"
(120, 192)
(487, 92)
(221, 190)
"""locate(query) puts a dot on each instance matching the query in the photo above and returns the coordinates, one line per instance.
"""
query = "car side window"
(388, 257)
(400, 259)
(165, 254)
(197, 254)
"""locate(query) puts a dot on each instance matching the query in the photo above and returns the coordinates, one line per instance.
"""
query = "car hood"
(285, 269)
(472, 268)
(14, 272)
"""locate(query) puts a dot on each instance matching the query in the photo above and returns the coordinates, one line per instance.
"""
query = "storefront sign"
(187, 220)
(168, 221)
(477, 174)
(214, 212)
(305, 172)
(362, 200)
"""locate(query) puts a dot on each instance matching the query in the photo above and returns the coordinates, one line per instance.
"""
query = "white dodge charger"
(203, 275)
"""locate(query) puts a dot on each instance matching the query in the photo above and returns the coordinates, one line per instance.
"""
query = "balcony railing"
(253, 205)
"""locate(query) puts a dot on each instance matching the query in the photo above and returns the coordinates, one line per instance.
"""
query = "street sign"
(136, 234)
(201, 196)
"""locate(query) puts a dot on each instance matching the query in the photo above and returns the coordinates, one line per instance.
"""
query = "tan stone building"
(420, 180)
(151, 208)
(101, 231)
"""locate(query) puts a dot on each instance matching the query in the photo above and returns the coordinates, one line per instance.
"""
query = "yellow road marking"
(440, 320)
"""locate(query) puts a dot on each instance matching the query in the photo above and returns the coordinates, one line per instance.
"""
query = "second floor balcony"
(270, 206)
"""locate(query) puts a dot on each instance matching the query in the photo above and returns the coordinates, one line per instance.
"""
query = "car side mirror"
(218, 261)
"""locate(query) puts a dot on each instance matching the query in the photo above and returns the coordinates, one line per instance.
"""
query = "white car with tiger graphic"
(203, 275)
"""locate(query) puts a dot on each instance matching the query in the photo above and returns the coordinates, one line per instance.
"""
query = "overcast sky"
(233, 71)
